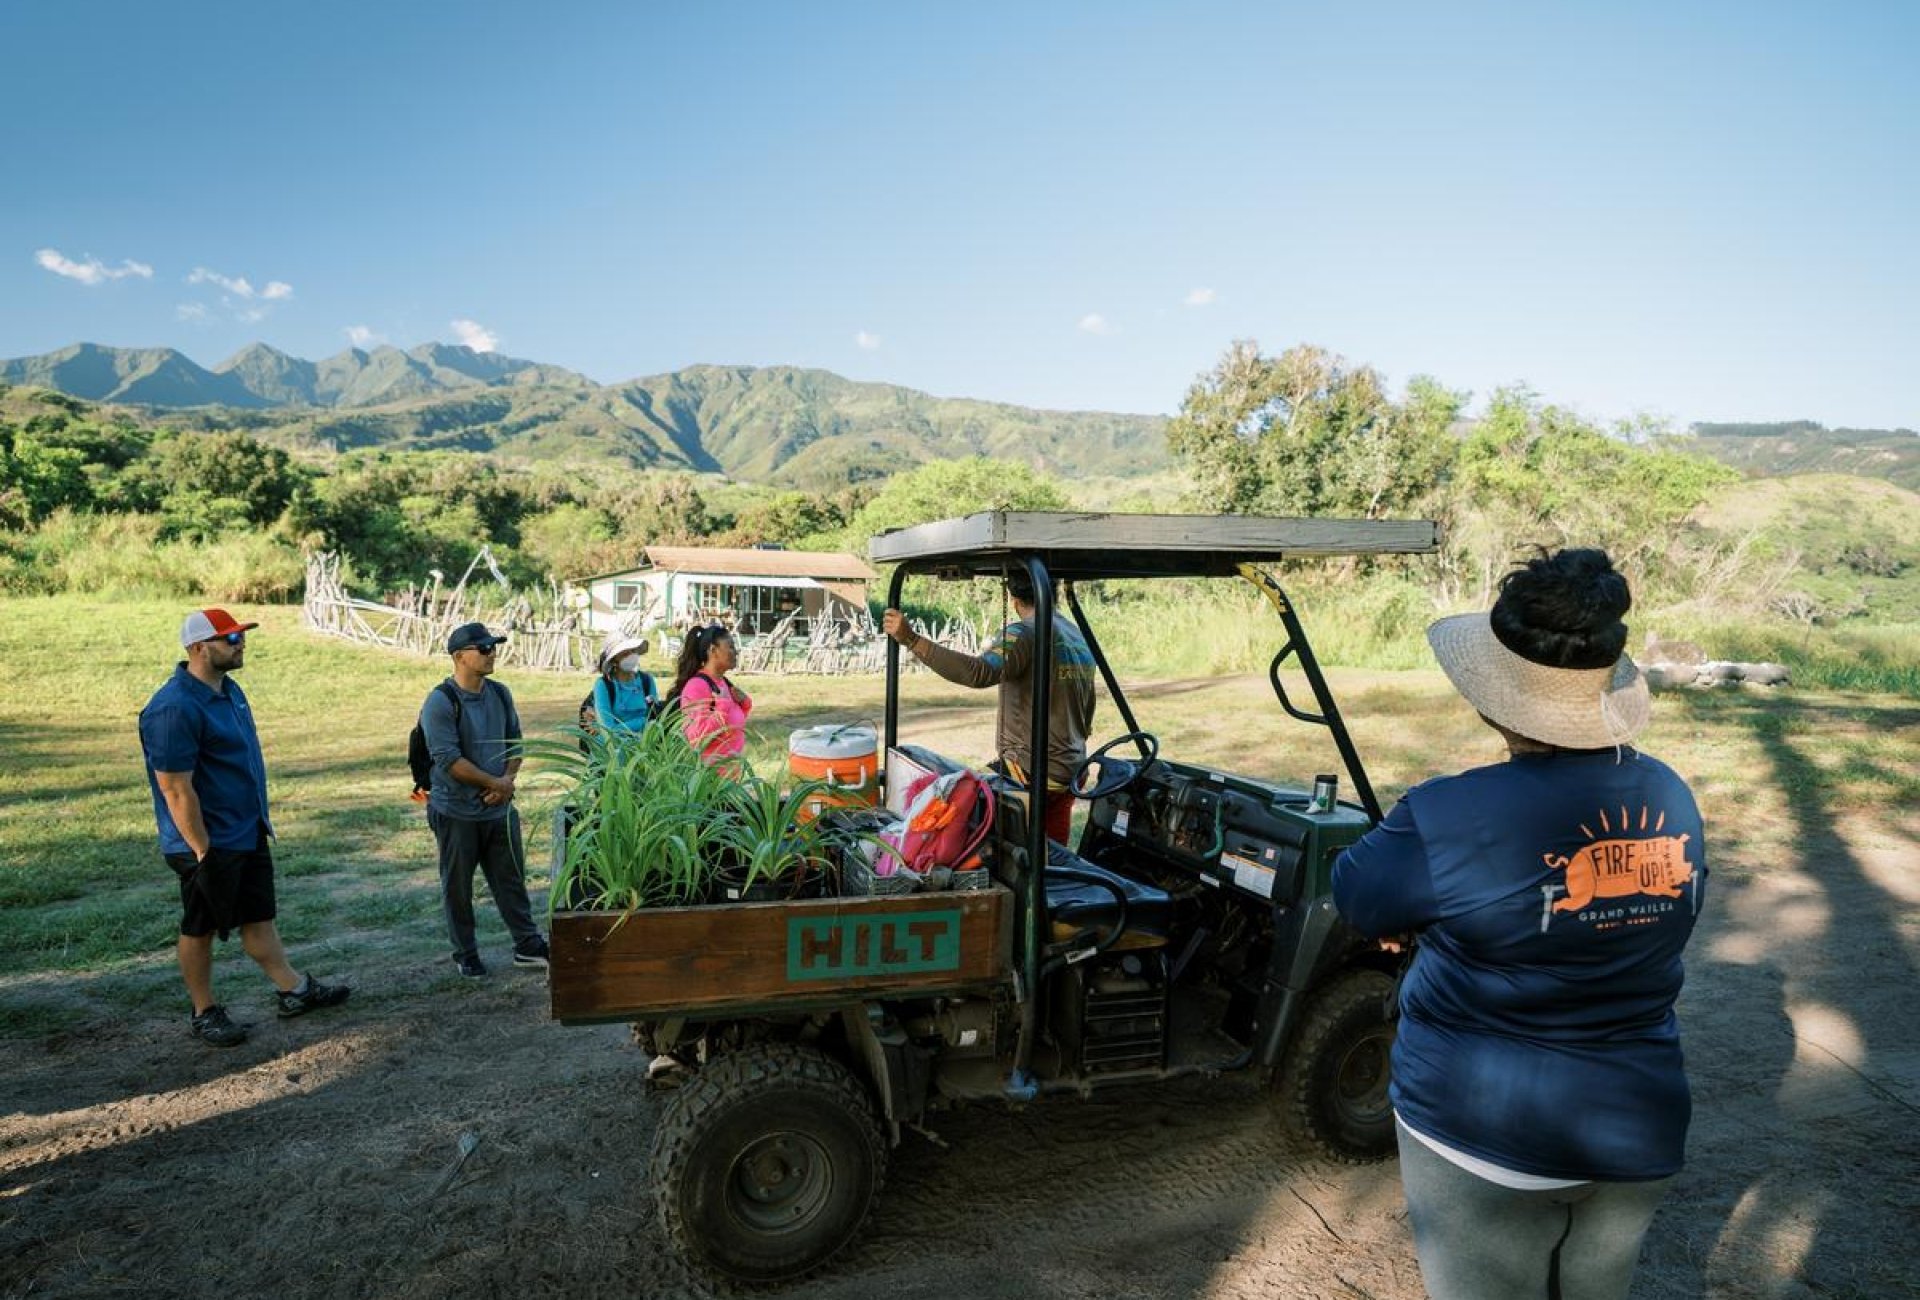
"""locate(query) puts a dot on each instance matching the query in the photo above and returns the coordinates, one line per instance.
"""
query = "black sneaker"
(215, 1028)
(531, 953)
(315, 996)
(470, 965)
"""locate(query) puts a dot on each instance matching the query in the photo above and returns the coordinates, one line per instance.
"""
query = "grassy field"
(88, 912)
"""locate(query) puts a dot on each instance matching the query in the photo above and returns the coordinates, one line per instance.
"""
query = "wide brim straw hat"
(619, 645)
(1572, 708)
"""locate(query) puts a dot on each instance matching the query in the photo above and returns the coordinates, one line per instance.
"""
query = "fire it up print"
(1627, 860)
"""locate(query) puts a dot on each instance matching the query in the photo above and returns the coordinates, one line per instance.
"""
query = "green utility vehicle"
(1190, 930)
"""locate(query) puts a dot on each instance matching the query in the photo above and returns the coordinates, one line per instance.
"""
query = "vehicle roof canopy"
(1079, 545)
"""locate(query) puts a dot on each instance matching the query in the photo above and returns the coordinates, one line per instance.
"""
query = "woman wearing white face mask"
(625, 695)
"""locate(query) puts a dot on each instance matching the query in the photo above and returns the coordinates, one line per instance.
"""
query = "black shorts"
(227, 889)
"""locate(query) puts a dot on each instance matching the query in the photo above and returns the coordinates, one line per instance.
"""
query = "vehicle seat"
(1075, 905)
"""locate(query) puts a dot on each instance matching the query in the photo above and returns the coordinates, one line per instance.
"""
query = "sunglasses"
(231, 638)
(483, 649)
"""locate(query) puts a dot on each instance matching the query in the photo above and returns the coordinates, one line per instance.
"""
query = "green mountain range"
(777, 424)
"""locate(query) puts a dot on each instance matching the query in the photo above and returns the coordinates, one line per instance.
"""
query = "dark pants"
(494, 847)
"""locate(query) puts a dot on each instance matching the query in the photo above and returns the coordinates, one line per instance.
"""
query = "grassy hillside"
(1804, 447)
(1852, 544)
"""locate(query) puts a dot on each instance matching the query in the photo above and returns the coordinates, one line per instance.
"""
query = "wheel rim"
(779, 1182)
(1360, 1082)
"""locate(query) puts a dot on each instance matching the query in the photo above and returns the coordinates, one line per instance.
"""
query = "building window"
(753, 611)
(626, 595)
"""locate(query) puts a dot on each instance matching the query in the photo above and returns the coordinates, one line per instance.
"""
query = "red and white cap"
(206, 624)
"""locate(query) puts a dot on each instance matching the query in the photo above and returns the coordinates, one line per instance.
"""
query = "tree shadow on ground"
(1804, 1173)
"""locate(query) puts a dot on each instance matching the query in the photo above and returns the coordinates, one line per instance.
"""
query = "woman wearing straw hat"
(1540, 1096)
(625, 696)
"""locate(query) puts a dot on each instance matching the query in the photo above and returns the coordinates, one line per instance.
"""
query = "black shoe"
(317, 995)
(531, 953)
(470, 965)
(215, 1028)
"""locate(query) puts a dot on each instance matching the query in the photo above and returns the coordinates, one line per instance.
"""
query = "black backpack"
(419, 758)
(590, 706)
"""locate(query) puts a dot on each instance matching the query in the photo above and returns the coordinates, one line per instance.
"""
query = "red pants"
(1059, 815)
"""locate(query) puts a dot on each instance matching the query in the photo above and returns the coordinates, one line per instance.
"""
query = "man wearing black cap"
(472, 732)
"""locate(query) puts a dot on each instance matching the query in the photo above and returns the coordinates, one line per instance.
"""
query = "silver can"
(1326, 793)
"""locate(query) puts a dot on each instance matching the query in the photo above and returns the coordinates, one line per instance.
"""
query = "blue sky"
(1695, 211)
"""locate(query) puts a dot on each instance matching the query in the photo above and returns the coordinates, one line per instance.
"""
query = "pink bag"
(947, 817)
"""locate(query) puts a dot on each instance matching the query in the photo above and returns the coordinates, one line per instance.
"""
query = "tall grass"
(1201, 627)
(126, 556)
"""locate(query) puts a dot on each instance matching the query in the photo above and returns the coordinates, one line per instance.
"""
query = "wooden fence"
(544, 630)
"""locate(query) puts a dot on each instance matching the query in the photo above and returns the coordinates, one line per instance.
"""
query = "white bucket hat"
(619, 644)
(1573, 708)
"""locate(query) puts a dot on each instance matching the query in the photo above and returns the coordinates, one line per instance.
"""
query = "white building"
(750, 589)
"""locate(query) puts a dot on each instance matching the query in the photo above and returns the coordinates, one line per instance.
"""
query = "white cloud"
(194, 312)
(1094, 323)
(91, 270)
(235, 285)
(362, 337)
(865, 341)
(475, 335)
(238, 296)
(1201, 298)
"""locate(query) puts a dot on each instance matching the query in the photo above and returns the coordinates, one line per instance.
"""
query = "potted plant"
(637, 819)
(770, 851)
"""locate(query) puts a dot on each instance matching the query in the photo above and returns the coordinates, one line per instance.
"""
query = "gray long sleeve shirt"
(487, 737)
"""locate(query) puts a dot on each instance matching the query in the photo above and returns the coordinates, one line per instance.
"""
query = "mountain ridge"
(788, 425)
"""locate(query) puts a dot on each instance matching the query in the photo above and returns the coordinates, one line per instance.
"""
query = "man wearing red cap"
(209, 784)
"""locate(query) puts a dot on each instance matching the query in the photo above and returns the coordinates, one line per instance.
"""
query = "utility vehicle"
(1188, 930)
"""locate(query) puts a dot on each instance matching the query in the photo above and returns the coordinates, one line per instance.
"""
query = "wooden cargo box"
(736, 958)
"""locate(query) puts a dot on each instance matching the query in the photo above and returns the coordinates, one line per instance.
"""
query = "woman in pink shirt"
(713, 710)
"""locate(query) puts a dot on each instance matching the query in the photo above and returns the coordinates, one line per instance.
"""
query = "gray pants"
(1480, 1241)
(494, 847)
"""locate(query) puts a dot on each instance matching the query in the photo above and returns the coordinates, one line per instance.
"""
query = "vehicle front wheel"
(1331, 1090)
(767, 1161)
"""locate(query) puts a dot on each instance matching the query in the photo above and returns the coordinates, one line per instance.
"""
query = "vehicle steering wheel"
(1110, 774)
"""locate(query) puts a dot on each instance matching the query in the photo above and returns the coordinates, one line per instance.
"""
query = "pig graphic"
(1618, 868)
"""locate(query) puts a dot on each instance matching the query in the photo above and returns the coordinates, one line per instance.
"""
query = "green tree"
(662, 509)
(1304, 433)
(786, 519)
(1534, 475)
(37, 478)
(943, 489)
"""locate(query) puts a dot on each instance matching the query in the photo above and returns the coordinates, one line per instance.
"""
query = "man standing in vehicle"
(209, 784)
(472, 731)
(1009, 665)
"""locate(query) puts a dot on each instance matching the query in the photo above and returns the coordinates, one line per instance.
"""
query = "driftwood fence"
(541, 631)
(544, 630)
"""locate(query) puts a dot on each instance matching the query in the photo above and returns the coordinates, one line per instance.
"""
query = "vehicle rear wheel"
(766, 1163)
(1332, 1087)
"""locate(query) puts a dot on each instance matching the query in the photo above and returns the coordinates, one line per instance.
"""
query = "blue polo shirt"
(189, 727)
(1553, 895)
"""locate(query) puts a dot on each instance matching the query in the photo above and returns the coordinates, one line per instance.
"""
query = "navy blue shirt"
(189, 727)
(1553, 895)
(489, 727)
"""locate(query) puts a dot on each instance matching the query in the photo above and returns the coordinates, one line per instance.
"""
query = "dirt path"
(318, 1159)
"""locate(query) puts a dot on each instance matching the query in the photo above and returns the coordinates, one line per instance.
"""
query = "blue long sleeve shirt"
(1553, 895)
